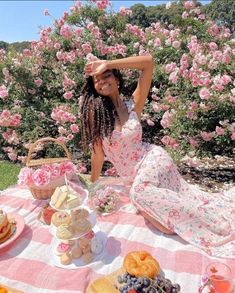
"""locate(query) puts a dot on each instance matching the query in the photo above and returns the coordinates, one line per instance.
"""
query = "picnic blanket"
(27, 263)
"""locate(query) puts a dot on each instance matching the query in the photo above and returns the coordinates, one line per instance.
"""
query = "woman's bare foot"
(156, 224)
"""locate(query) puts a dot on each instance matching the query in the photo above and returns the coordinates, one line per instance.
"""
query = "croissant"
(141, 263)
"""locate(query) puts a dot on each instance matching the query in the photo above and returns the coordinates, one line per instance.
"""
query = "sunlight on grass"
(8, 174)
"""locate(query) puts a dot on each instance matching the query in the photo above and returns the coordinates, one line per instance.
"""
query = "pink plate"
(19, 229)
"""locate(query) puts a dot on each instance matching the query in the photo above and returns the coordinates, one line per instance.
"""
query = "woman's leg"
(156, 224)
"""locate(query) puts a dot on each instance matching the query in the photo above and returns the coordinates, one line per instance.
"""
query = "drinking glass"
(220, 276)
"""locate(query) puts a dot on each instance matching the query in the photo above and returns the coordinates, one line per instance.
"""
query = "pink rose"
(150, 122)
(68, 95)
(170, 67)
(38, 82)
(184, 15)
(62, 139)
(67, 168)
(193, 142)
(173, 77)
(25, 176)
(70, 136)
(157, 42)
(66, 32)
(41, 177)
(207, 136)
(204, 93)
(219, 130)
(213, 46)
(3, 91)
(74, 128)
(82, 168)
(167, 119)
(176, 44)
(170, 142)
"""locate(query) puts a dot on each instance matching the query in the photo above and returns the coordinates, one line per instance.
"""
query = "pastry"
(80, 214)
(90, 235)
(62, 248)
(96, 245)
(83, 226)
(86, 249)
(66, 259)
(87, 257)
(65, 231)
(141, 263)
(60, 218)
(69, 241)
(103, 285)
(5, 227)
(83, 242)
(76, 252)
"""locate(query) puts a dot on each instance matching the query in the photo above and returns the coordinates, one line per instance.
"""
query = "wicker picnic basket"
(45, 192)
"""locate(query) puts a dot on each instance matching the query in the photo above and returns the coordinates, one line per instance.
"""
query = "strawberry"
(132, 291)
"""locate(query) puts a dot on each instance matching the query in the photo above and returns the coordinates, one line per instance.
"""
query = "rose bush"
(191, 104)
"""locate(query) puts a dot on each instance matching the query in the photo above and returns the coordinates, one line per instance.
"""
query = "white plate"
(91, 219)
(83, 198)
(78, 263)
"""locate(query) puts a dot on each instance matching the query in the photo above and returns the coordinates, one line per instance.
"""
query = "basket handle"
(31, 163)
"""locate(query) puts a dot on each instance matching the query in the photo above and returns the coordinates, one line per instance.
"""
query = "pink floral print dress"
(204, 219)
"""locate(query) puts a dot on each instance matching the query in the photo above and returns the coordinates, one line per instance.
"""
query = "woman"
(113, 129)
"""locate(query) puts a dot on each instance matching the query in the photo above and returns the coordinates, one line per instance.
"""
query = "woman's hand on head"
(96, 67)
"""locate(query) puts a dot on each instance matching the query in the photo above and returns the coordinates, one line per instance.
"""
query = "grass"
(8, 174)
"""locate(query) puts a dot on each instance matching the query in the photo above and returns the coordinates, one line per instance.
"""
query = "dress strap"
(130, 105)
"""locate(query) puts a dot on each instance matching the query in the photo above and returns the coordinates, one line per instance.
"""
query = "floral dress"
(204, 219)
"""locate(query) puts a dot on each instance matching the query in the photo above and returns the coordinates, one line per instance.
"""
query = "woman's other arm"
(97, 161)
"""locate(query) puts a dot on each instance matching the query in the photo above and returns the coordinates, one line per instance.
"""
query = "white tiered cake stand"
(77, 263)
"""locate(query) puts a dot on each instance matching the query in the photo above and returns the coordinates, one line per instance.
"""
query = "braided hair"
(98, 113)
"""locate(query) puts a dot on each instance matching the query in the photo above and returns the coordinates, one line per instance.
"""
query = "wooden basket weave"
(46, 191)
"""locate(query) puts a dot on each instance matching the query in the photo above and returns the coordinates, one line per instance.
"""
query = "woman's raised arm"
(142, 63)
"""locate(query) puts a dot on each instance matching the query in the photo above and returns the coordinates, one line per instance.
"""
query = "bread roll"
(102, 285)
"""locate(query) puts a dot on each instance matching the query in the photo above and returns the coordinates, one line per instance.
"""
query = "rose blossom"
(167, 119)
(176, 44)
(25, 176)
(204, 93)
(3, 91)
(38, 82)
(184, 15)
(74, 128)
(67, 168)
(219, 130)
(68, 95)
(70, 136)
(193, 142)
(207, 136)
(41, 177)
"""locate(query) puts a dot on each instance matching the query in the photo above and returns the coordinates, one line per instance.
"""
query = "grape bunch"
(132, 284)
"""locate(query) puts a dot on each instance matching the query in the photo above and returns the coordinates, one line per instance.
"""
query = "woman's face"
(106, 84)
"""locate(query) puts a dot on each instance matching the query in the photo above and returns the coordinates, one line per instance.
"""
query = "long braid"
(101, 109)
